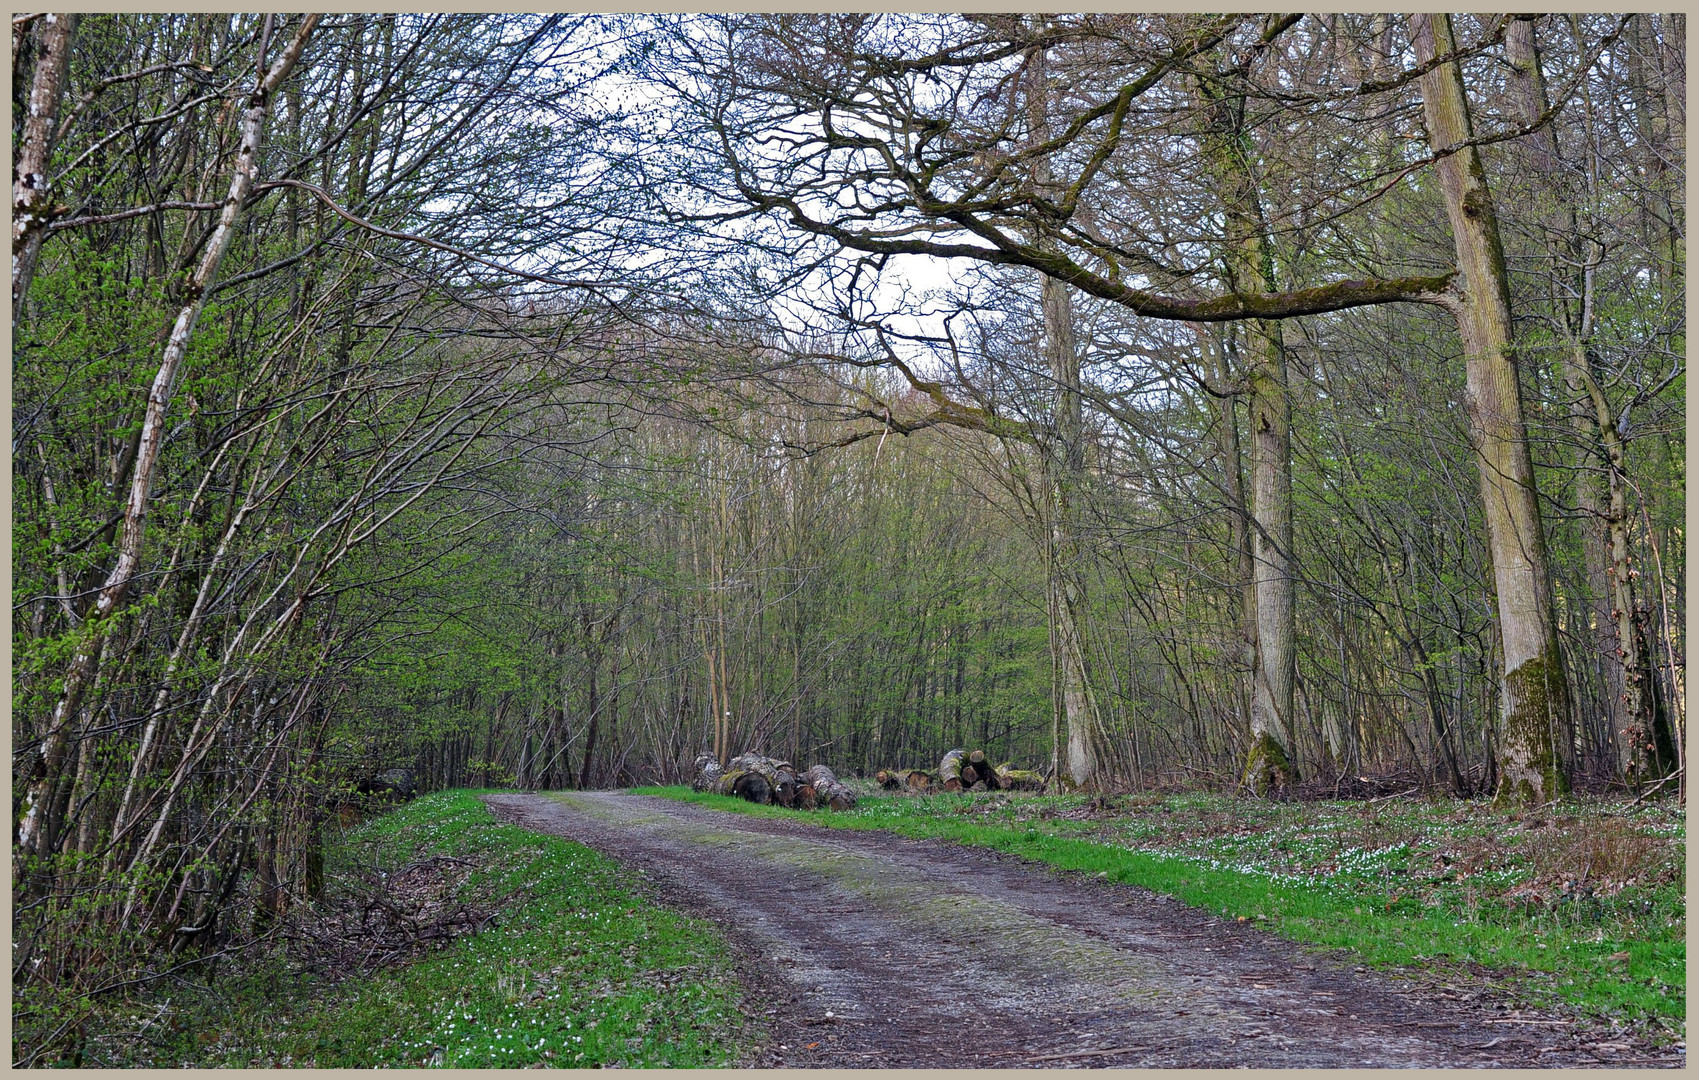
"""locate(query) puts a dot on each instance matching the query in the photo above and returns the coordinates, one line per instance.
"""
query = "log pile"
(708, 773)
(950, 770)
(828, 791)
(765, 780)
(1019, 779)
(971, 770)
(916, 780)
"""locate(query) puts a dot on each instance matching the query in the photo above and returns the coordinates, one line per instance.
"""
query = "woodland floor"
(864, 949)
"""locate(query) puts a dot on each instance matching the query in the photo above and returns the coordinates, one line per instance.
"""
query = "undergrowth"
(1584, 905)
(574, 969)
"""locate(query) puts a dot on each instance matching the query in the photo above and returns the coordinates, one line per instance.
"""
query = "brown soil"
(865, 949)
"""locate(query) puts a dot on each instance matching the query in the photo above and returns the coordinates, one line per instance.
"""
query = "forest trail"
(868, 949)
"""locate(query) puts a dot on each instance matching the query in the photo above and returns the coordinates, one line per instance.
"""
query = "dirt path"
(867, 949)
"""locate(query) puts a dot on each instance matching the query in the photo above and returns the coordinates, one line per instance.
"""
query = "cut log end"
(765, 780)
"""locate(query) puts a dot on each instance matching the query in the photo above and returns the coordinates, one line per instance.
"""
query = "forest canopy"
(1289, 404)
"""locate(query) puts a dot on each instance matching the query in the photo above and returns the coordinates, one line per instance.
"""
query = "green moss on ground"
(1583, 907)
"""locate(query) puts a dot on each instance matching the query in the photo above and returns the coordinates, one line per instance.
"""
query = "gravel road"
(868, 949)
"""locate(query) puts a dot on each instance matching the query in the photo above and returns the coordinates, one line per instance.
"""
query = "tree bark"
(31, 185)
(828, 790)
(950, 770)
(595, 706)
(1064, 460)
(1637, 737)
(1249, 260)
(1534, 695)
(1527, 83)
(1269, 764)
(1598, 484)
(1065, 468)
(1673, 47)
(1233, 486)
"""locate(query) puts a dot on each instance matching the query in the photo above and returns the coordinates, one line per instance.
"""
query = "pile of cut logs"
(762, 779)
(916, 780)
(962, 770)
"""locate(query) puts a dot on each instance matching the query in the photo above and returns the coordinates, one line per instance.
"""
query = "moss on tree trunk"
(1267, 768)
(1535, 701)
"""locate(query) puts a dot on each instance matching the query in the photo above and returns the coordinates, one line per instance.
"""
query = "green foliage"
(578, 968)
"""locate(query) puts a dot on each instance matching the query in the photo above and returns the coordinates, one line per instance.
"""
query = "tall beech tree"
(1534, 701)
(1572, 215)
(1248, 259)
(1062, 450)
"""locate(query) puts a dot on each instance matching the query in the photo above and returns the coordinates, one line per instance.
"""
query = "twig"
(1397, 795)
(1658, 785)
(434, 860)
(324, 197)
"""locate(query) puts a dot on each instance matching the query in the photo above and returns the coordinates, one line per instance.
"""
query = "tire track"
(869, 949)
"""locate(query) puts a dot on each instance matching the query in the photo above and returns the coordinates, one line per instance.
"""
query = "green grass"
(577, 970)
(1412, 885)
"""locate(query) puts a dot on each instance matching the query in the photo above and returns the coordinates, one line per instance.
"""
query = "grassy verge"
(576, 969)
(1585, 908)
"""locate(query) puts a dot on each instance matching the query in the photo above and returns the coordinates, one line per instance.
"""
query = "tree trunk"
(1534, 697)
(1249, 259)
(950, 770)
(595, 723)
(1637, 737)
(1066, 586)
(31, 186)
(827, 788)
(1527, 84)
(1233, 487)
(1269, 764)
(1064, 458)
(1598, 484)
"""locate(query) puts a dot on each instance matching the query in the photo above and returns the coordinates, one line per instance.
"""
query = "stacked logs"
(765, 780)
(971, 770)
(828, 790)
(708, 773)
(916, 780)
